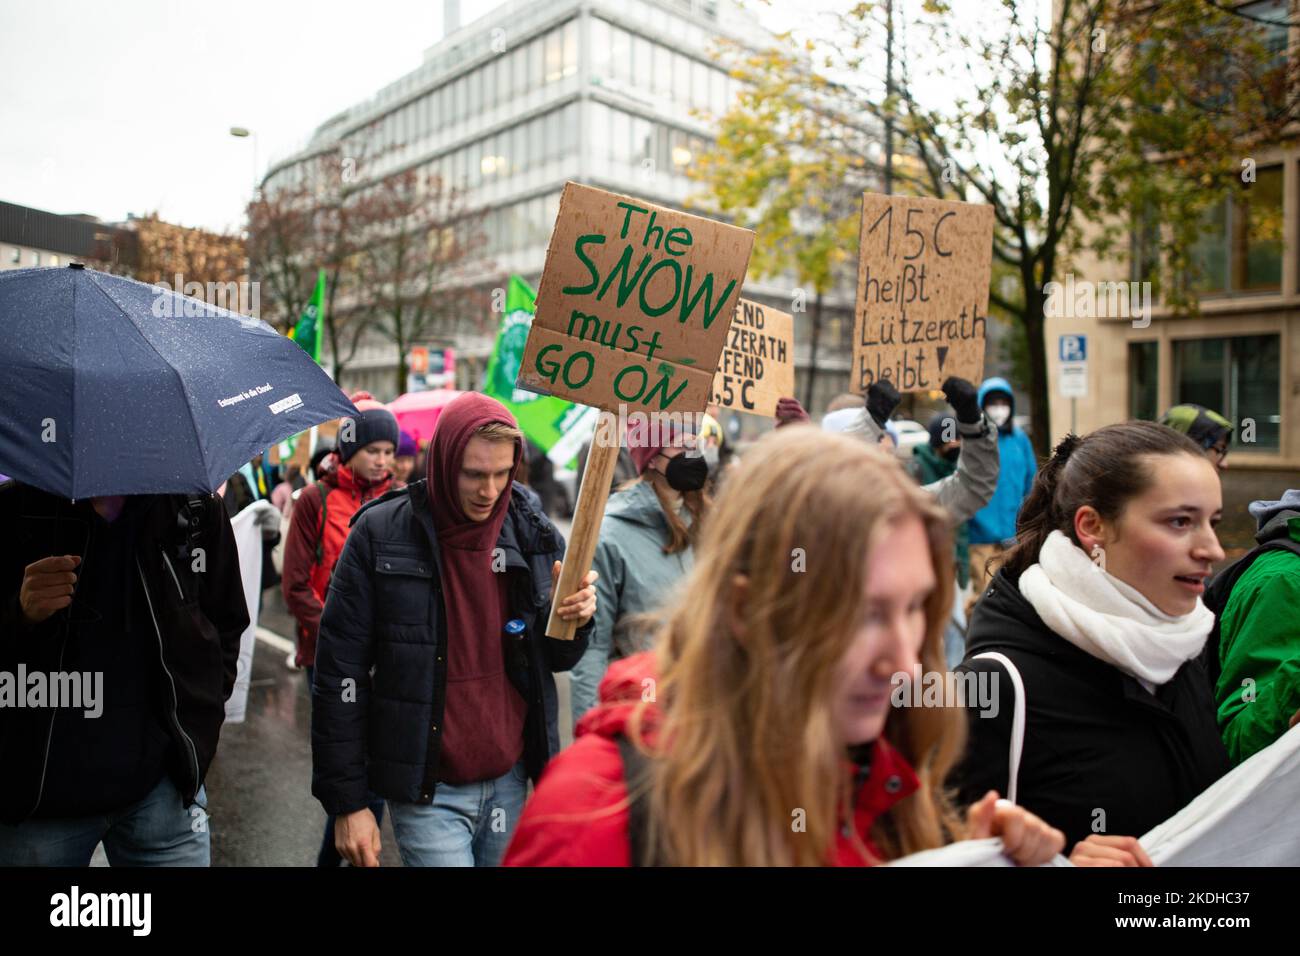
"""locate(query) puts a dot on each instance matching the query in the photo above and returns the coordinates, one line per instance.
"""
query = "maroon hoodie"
(483, 717)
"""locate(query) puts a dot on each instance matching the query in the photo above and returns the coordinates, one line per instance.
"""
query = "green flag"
(543, 418)
(307, 332)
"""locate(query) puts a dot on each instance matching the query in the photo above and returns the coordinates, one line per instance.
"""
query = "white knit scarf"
(1112, 621)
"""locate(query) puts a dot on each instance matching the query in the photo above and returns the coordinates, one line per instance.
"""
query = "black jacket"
(385, 629)
(1095, 739)
(193, 618)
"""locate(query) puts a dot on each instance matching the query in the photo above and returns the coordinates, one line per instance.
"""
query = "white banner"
(247, 526)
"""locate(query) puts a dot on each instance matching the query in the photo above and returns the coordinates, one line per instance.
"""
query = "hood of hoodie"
(1277, 519)
(639, 505)
(999, 385)
(620, 694)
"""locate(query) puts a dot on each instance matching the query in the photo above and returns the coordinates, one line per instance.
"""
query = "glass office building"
(615, 93)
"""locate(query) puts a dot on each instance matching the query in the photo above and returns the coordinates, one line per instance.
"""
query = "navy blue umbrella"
(116, 387)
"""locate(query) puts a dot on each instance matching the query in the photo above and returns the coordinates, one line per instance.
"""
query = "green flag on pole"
(544, 419)
(307, 332)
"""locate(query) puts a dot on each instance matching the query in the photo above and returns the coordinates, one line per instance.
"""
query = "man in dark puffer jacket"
(433, 671)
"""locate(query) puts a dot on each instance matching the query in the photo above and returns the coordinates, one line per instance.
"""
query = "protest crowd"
(752, 634)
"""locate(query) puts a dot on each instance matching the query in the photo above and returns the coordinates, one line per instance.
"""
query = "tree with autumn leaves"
(1109, 119)
(396, 248)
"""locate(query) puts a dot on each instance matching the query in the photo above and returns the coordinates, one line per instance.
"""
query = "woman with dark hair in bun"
(1104, 723)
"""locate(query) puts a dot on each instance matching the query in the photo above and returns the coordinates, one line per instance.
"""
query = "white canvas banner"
(1246, 818)
(247, 526)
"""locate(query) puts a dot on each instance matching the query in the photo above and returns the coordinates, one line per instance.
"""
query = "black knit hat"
(371, 425)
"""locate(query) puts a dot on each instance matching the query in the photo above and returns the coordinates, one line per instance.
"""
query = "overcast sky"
(124, 107)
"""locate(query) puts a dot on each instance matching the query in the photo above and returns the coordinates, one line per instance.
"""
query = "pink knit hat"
(645, 441)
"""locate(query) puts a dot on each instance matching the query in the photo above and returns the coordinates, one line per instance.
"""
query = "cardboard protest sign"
(757, 364)
(923, 291)
(634, 304)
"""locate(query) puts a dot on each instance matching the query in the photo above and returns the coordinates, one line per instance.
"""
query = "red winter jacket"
(305, 580)
(574, 817)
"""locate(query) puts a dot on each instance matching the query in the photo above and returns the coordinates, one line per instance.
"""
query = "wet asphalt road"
(260, 806)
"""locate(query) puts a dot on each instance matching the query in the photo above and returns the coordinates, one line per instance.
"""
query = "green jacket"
(1260, 643)
(931, 467)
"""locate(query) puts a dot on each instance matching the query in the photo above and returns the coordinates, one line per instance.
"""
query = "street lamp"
(240, 132)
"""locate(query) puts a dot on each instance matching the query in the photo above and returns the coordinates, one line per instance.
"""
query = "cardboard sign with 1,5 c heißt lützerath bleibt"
(923, 291)
(634, 304)
(757, 364)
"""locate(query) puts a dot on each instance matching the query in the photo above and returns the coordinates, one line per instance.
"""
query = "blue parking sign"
(1074, 348)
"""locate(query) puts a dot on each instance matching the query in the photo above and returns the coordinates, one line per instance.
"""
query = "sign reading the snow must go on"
(634, 304)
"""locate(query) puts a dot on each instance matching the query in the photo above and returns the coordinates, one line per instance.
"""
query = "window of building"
(600, 47)
(1237, 377)
(36, 258)
(1143, 380)
(490, 83)
(642, 65)
(54, 260)
(535, 74)
(681, 79)
(1240, 247)
(570, 41)
(553, 55)
(621, 54)
(700, 85)
(16, 256)
(474, 93)
(620, 137)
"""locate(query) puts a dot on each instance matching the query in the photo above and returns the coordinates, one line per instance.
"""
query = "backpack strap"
(636, 770)
(1017, 719)
(324, 493)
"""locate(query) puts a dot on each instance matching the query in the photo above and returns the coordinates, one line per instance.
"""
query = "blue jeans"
(155, 831)
(465, 825)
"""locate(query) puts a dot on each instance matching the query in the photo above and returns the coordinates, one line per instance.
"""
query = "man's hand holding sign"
(633, 310)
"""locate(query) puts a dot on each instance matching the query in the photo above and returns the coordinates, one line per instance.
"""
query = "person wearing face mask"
(1096, 622)
(994, 525)
(760, 731)
(645, 546)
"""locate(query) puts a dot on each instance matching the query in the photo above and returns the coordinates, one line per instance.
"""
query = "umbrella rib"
(203, 461)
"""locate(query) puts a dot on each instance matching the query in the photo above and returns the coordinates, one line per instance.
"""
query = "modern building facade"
(613, 93)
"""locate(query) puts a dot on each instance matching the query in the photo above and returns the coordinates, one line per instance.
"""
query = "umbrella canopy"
(417, 412)
(113, 386)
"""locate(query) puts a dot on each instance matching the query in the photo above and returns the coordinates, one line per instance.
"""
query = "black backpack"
(1220, 589)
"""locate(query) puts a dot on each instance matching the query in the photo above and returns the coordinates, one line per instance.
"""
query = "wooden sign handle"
(592, 495)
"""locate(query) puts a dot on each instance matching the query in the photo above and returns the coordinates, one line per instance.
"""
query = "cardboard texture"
(634, 304)
(757, 363)
(923, 291)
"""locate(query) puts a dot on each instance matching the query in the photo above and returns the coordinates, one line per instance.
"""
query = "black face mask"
(687, 473)
(952, 454)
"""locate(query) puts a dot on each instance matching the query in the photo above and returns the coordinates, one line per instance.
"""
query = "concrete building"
(33, 238)
(614, 93)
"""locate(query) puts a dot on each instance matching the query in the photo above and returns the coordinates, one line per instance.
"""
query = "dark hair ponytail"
(1102, 469)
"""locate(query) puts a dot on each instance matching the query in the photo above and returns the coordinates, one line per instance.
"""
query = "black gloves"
(962, 396)
(882, 399)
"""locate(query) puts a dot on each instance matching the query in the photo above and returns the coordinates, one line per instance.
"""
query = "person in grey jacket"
(646, 548)
(966, 490)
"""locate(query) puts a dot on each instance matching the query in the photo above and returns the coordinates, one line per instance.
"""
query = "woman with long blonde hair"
(760, 731)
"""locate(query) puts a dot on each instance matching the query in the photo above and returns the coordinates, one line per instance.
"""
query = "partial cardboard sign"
(923, 291)
(757, 364)
(634, 304)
